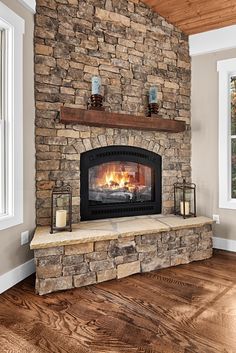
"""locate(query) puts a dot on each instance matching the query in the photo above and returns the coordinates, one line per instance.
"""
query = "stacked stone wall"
(78, 265)
(131, 48)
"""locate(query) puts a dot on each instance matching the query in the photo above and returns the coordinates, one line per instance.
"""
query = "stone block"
(125, 259)
(83, 248)
(128, 269)
(201, 255)
(58, 250)
(156, 263)
(72, 260)
(85, 279)
(106, 275)
(101, 245)
(49, 271)
(180, 260)
(75, 269)
(150, 239)
(143, 248)
(48, 285)
(101, 265)
(189, 240)
(147, 256)
(49, 260)
(96, 256)
(105, 15)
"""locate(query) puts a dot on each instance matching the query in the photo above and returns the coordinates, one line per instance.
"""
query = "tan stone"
(105, 15)
(49, 271)
(67, 90)
(101, 245)
(42, 69)
(68, 133)
(43, 49)
(172, 85)
(106, 275)
(128, 269)
(48, 165)
(138, 27)
(49, 251)
(91, 69)
(48, 285)
(201, 255)
(79, 249)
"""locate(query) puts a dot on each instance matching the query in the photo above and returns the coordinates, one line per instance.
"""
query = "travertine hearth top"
(113, 228)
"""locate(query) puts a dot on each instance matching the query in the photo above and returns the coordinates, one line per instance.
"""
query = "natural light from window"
(11, 118)
(227, 133)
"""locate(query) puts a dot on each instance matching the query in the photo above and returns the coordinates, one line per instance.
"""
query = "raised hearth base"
(99, 251)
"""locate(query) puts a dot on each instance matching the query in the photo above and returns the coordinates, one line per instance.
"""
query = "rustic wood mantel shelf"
(122, 121)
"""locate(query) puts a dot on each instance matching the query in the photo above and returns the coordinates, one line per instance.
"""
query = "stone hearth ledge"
(98, 251)
(114, 228)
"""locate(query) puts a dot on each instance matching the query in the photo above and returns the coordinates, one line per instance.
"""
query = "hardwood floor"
(185, 309)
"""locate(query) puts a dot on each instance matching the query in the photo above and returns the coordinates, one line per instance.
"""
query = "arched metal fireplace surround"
(119, 181)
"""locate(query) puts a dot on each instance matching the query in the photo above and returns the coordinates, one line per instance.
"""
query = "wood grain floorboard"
(185, 309)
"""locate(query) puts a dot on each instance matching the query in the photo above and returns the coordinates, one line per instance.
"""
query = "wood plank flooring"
(185, 309)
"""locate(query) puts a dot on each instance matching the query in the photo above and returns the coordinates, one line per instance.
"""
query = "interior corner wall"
(204, 100)
(12, 254)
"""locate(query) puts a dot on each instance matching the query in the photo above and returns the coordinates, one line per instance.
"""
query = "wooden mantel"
(122, 121)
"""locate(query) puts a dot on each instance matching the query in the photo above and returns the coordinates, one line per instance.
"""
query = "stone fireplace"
(119, 181)
(130, 48)
(113, 171)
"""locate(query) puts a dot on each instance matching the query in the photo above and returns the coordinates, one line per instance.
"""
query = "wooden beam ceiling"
(195, 16)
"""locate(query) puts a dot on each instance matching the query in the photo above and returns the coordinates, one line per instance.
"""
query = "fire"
(113, 177)
(115, 180)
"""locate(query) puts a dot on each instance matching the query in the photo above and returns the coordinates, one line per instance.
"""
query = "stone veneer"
(131, 48)
(84, 257)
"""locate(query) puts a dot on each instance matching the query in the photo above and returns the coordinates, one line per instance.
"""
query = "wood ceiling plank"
(195, 16)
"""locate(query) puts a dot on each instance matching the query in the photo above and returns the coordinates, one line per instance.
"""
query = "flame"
(119, 179)
(114, 178)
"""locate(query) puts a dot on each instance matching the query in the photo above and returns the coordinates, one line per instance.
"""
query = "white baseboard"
(16, 275)
(224, 244)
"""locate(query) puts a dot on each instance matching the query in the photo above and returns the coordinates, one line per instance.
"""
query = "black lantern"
(61, 208)
(185, 199)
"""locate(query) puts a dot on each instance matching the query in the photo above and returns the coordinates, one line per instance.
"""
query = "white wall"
(12, 254)
(205, 139)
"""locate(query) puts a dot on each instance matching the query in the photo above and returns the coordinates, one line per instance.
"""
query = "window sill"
(10, 221)
(228, 204)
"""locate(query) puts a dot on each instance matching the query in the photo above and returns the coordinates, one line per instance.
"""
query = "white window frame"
(13, 26)
(226, 69)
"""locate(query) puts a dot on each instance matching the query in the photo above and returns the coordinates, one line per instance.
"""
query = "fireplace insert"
(119, 181)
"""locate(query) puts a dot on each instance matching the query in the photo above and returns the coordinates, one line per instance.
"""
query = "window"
(11, 118)
(227, 133)
(2, 130)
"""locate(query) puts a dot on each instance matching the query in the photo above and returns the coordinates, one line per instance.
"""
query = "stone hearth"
(97, 251)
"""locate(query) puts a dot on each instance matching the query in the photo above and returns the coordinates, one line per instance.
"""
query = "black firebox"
(119, 181)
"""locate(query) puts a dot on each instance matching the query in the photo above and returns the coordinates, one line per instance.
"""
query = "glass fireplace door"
(120, 182)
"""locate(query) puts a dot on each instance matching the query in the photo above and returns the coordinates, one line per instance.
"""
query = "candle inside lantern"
(187, 208)
(61, 218)
(153, 94)
(96, 85)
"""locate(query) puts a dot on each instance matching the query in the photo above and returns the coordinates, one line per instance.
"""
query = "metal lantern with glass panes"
(185, 199)
(61, 208)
